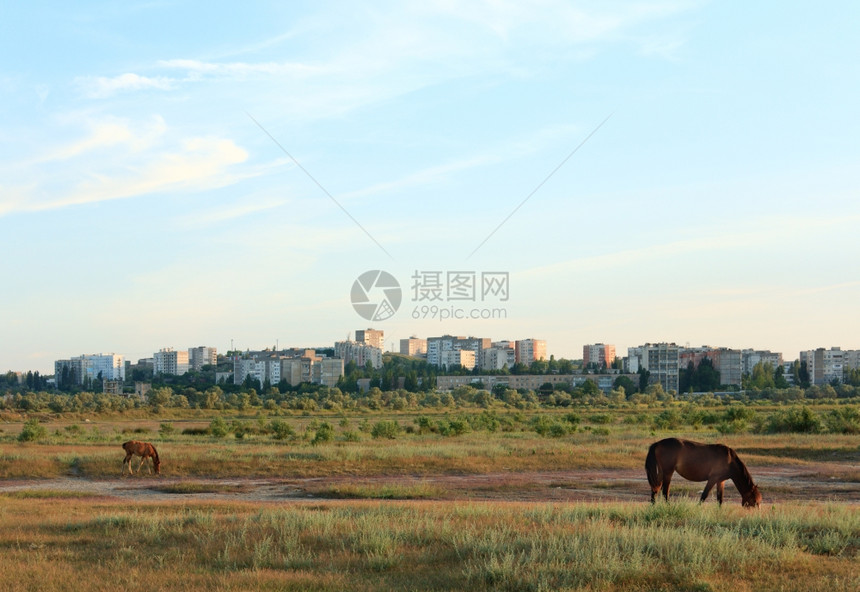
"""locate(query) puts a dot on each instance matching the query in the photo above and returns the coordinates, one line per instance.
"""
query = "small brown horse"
(144, 450)
(695, 461)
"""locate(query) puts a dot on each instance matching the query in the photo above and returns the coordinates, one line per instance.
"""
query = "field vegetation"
(378, 507)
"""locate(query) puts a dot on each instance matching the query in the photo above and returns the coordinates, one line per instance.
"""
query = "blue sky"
(142, 206)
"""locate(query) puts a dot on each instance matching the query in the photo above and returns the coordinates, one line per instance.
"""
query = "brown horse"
(695, 461)
(144, 450)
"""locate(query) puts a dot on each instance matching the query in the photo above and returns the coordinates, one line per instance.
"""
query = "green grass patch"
(387, 491)
(196, 487)
(45, 494)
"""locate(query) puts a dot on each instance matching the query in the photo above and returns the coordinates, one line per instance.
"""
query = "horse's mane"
(741, 474)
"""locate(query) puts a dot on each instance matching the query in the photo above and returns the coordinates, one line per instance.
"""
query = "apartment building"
(437, 346)
(202, 356)
(371, 337)
(530, 350)
(360, 353)
(495, 358)
(662, 360)
(170, 361)
(728, 362)
(89, 367)
(301, 366)
(599, 354)
(328, 371)
(752, 357)
(458, 357)
(413, 347)
(826, 365)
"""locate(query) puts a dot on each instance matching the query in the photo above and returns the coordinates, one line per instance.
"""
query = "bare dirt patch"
(778, 484)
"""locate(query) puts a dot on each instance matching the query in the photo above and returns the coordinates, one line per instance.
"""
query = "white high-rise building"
(662, 360)
(89, 367)
(437, 346)
(170, 361)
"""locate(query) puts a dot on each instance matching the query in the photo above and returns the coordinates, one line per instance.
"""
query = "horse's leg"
(707, 490)
(667, 480)
(140, 464)
(127, 461)
(720, 491)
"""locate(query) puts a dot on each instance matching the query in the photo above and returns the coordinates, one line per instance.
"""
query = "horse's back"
(137, 447)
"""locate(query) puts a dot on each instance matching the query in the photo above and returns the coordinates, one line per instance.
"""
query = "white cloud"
(118, 159)
(199, 163)
(100, 87)
(111, 132)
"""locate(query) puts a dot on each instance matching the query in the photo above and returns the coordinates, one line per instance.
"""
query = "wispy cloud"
(100, 87)
(511, 150)
(117, 159)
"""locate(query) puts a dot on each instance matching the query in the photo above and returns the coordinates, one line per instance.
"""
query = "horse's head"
(752, 499)
(157, 465)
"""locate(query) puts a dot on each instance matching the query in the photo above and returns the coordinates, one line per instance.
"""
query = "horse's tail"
(652, 468)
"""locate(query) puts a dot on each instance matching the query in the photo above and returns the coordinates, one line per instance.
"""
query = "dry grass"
(472, 453)
(52, 541)
(97, 545)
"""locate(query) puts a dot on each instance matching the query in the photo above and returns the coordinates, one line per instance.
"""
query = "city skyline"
(393, 346)
(677, 171)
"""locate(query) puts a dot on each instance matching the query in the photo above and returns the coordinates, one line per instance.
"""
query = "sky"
(176, 174)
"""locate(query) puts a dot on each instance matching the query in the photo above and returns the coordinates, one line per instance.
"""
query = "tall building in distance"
(170, 361)
(829, 365)
(89, 367)
(728, 362)
(360, 353)
(294, 367)
(371, 337)
(202, 356)
(751, 357)
(437, 346)
(530, 350)
(662, 360)
(413, 346)
(599, 354)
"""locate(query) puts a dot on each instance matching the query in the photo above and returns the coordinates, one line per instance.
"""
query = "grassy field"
(402, 534)
(51, 543)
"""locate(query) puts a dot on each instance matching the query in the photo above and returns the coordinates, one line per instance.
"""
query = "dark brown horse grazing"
(144, 450)
(695, 461)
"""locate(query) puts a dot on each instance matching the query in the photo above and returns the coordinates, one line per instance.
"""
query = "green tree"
(624, 382)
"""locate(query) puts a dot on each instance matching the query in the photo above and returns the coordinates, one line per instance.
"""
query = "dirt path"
(778, 484)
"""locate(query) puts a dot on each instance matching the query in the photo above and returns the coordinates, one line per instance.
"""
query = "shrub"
(195, 431)
(387, 428)
(32, 431)
(455, 427)
(797, 420)
(572, 418)
(218, 427)
(324, 433)
(281, 430)
(843, 421)
(601, 418)
(546, 426)
(668, 419)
